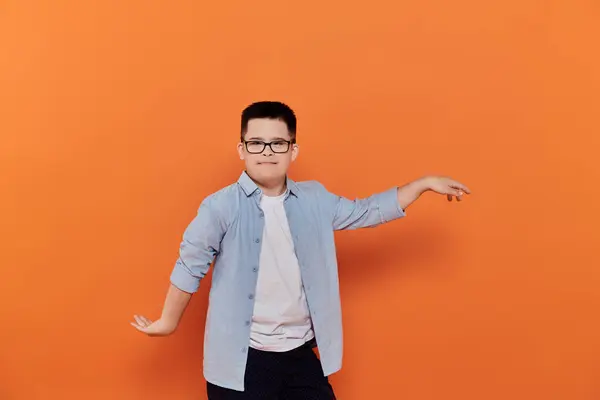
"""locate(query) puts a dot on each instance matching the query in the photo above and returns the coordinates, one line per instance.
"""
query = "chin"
(261, 174)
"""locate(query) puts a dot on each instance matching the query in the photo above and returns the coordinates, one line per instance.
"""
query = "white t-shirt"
(281, 319)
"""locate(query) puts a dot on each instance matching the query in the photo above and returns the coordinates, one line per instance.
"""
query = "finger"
(146, 320)
(140, 321)
(138, 327)
(449, 196)
(460, 186)
(457, 192)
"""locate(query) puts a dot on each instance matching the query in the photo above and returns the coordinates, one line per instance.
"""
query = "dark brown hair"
(271, 110)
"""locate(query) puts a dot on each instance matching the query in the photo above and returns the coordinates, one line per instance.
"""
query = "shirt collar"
(249, 186)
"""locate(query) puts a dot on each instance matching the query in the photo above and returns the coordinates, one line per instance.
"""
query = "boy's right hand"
(157, 328)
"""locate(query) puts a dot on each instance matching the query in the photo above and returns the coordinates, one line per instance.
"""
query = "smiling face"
(267, 164)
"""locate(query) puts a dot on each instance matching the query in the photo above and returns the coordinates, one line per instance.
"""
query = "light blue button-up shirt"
(228, 229)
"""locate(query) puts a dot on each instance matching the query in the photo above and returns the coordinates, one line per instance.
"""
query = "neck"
(272, 188)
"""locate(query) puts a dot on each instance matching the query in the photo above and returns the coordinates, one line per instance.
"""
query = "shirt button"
(247, 323)
(254, 269)
(257, 240)
(250, 296)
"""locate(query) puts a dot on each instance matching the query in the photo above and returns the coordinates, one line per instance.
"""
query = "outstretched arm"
(410, 192)
(200, 245)
(387, 206)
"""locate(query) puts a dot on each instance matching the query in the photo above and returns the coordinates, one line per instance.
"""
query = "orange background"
(118, 117)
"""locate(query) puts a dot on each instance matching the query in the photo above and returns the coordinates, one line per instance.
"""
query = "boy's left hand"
(447, 186)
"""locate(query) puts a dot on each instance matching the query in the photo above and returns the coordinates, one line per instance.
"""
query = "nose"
(267, 152)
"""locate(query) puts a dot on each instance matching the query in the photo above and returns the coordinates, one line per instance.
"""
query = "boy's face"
(265, 163)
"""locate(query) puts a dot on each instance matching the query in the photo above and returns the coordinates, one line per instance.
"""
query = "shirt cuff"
(389, 207)
(183, 279)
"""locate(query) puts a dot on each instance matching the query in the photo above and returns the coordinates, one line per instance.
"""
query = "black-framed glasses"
(258, 146)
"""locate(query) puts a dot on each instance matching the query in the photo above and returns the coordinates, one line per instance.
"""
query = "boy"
(274, 293)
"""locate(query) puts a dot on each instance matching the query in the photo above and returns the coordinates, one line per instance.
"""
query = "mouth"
(267, 163)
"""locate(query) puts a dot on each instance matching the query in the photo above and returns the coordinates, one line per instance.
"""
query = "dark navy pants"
(292, 375)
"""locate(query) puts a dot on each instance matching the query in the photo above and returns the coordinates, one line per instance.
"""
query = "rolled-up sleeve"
(374, 210)
(200, 245)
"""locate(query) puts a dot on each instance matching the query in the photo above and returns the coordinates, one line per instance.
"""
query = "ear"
(240, 148)
(295, 151)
